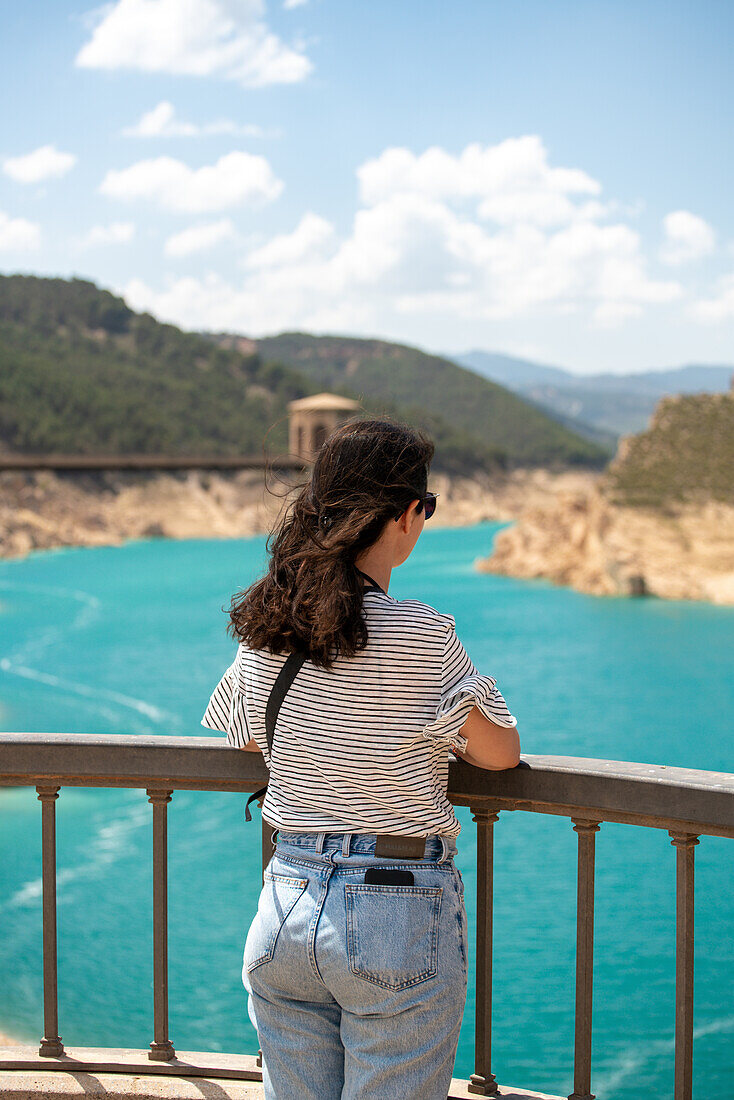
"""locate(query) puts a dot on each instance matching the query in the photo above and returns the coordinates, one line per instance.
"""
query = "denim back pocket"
(279, 894)
(392, 933)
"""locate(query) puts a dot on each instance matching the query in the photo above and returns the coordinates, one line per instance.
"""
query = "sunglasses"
(429, 503)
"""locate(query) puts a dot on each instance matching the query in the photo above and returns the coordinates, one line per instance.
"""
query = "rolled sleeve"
(462, 688)
(226, 710)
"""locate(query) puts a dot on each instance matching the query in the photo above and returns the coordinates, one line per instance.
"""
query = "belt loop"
(272, 836)
(345, 844)
(321, 837)
(444, 849)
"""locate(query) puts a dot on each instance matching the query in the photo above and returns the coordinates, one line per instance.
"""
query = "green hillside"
(686, 455)
(81, 373)
(473, 405)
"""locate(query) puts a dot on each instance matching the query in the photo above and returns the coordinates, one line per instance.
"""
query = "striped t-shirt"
(363, 747)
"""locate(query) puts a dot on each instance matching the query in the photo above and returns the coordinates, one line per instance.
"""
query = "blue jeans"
(357, 991)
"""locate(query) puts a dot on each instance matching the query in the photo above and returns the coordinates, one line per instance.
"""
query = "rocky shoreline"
(582, 540)
(659, 521)
(567, 531)
(45, 509)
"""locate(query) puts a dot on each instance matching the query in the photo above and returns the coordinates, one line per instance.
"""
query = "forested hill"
(81, 373)
(472, 404)
(685, 456)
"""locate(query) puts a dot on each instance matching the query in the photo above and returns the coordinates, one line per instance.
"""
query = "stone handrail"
(619, 790)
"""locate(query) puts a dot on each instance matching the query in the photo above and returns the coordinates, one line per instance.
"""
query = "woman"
(356, 962)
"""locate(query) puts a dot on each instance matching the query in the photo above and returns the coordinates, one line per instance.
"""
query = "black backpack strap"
(285, 678)
(283, 681)
(373, 583)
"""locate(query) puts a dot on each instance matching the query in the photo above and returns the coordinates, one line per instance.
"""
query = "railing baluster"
(161, 1049)
(584, 959)
(51, 1045)
(483, 1081)
(685, 843)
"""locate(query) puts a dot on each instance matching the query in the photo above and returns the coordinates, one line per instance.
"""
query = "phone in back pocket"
(388, 876)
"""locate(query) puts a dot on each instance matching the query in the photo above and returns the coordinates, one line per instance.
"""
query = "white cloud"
(236, 178)
(687, 237)
(161, 121)
(220, 38)
(198, 238)
(114, 233)
(423, 246)
(17, 234)
(511, 181)
(290, 4)
(43, 163)
(718, 308)
(307, 242)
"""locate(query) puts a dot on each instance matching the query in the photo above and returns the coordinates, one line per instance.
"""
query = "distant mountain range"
(611, 403)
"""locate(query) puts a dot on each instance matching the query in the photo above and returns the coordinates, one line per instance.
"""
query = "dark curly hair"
(310, 600)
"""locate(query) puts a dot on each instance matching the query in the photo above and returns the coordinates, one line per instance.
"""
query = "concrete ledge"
(459, 1091)
(133, 1062)
(25, 1085)
(109, 1074)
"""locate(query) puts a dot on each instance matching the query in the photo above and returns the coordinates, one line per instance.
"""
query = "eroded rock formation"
(679, 544)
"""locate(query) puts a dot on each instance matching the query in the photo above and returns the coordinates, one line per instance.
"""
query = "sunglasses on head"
(429, 503)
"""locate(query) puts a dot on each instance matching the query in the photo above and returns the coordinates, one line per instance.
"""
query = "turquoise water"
(132, 640)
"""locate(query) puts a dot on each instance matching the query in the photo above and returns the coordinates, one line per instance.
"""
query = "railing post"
(161, 1049)
(584, 959)
(483, 1081)
(685, 843)
(51, 1045)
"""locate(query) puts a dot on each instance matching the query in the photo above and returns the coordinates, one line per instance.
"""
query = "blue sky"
(550, 180)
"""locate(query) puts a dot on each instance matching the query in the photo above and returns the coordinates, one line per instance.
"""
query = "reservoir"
(131, 640)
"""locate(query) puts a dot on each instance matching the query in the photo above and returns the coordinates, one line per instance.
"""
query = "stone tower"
(311, 419)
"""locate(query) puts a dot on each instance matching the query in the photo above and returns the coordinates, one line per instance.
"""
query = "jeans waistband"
(443, 847)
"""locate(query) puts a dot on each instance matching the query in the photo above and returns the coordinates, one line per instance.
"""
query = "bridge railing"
(143, 461)
(686, 803)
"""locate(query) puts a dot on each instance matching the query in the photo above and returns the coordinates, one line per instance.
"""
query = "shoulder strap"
(373, 583)
(278, 692)
(284, 679)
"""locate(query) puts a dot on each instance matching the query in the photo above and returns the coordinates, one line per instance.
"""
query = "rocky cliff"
(659, 522)
(40, 510)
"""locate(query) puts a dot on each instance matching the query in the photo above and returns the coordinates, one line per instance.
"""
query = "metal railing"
(686, 803)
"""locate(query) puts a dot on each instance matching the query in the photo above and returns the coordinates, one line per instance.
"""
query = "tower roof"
(323, 401)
